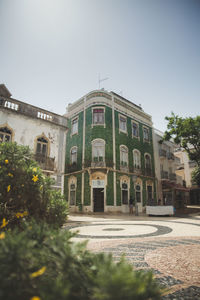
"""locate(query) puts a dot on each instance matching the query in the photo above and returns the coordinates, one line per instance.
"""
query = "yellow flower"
(8, 188)
(35, 178)
(19, 215)
(2, 236)
(38, 273)
(34, 169)
(4, 223)
(35, 298)
(22, 185)
(9, 174)
(6, 161)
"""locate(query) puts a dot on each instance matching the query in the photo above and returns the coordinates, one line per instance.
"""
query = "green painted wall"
(87, 194)
(74, 140)
(98, 131)
(109, 189)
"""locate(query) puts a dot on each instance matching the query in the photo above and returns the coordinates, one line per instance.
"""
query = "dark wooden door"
(98, 198)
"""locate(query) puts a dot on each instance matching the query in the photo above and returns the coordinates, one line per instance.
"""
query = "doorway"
(98, 199)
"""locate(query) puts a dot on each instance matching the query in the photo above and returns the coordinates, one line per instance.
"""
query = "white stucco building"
(43, 131)
(169, 184)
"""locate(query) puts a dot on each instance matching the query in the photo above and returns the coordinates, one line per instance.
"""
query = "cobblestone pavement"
(169, 247)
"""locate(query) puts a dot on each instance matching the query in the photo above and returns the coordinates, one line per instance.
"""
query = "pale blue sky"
(51, 52)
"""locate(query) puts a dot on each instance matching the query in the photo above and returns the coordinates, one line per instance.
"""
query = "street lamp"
(134, 178)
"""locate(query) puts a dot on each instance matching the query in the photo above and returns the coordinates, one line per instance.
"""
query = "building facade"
(43, 131)
(109, 154)
(185, 171)
(171, 190)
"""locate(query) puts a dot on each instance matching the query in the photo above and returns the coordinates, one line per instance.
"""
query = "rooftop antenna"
(100, 80)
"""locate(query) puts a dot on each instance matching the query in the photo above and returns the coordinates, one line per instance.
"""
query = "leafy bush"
(24, 190)
(44, 263)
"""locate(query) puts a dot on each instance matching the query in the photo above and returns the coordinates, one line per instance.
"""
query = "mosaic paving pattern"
(135, 255)
(160, 230)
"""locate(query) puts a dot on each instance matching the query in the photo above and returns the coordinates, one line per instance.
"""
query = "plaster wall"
(26, 130)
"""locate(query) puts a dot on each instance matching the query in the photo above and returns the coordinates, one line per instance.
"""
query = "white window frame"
(137, 166)
(122, 162)
(125, 118)
(134, 136)
(74, 148)
(74, 131)
(98, 124)
(144, 139)
(93, 150)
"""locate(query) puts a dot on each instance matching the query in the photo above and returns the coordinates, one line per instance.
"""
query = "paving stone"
(168, 281)
(190, 293)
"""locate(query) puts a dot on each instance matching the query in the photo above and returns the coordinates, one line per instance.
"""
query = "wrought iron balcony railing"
(45, 162)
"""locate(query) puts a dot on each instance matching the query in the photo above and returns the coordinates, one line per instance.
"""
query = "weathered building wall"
(27, 123)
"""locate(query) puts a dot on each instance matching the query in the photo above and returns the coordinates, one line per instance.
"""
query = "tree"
(25, 191)
(39, 262)
(186, 133)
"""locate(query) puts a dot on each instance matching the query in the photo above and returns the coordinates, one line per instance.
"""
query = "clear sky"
(52, 52)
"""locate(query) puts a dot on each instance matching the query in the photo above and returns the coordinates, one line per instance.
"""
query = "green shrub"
(43, 262)
(25, 191)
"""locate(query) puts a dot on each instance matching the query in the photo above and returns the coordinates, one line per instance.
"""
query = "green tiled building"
(109, 154)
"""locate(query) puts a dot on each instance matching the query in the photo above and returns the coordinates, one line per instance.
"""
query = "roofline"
(126, 100)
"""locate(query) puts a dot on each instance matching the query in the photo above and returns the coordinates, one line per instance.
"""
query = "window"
(146, 134)
(74, 155)
(136, 159)
(98, 116)
(5, 135)
(123, 156)
(135, 129)
(74, 126)
(147, 159)
(98, 150)
(72, 195)
(124, 193)
(122, 124)
(138, 193)
(42, 146)
(149, 194)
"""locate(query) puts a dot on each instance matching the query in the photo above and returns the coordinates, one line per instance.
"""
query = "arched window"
(123, 156)
(74, 155)
(5, 134)
(72, 185)
(42, 146)
(136, 159)
(138, 193)
(98, 150)
(148, 167)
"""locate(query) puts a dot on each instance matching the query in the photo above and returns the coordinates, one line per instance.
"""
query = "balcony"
(170, 156)
(162, 153)
(164, 175)
(137, 170)
(148, 172)
(124, 166)
(45, 162)
(72, 168)
(98, 163)
(172, 176)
